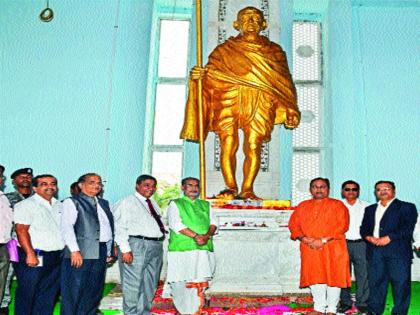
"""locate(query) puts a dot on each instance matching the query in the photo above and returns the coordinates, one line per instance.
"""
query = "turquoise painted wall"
(374, 90)
(73, 90)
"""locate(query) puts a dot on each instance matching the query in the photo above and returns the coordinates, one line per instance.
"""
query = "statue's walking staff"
(198, 22)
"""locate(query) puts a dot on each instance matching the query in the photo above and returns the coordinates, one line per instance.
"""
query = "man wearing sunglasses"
(356, 248)
(388, 227)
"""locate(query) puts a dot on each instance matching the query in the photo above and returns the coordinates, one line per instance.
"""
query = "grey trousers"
(6, 274)
(4, 268)
(140, 279)
(357, 253)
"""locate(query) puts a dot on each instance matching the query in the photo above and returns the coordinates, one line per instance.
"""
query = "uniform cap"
(26, 170)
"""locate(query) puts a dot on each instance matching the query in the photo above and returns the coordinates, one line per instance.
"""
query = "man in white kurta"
(191, 260)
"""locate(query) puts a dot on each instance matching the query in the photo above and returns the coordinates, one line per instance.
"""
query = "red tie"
(156, 216)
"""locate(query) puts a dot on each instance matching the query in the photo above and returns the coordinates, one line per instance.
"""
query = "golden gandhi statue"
(246, 85)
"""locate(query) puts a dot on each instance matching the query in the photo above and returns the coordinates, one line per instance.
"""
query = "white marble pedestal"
(254, 259)
(254, 255)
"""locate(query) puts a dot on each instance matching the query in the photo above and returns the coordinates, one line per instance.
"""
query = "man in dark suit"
(388, 227)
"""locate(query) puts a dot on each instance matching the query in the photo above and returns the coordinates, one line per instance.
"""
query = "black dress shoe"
(343, 308)
(4, 310)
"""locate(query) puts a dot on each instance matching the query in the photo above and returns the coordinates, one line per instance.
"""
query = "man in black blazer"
(388, 227)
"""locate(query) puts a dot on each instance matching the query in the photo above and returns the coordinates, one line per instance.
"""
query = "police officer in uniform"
(22, 181)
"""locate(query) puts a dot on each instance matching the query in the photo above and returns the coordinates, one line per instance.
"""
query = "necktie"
(155, 216)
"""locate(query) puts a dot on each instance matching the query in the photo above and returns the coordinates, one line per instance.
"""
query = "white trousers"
(325, 298)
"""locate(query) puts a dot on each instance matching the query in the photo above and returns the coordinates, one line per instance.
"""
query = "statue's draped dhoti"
(247, 85)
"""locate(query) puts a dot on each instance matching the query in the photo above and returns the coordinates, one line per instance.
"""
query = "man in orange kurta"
(319, 224)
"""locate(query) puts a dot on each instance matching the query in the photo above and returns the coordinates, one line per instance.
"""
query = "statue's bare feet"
(249, 195)
(228, 194)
